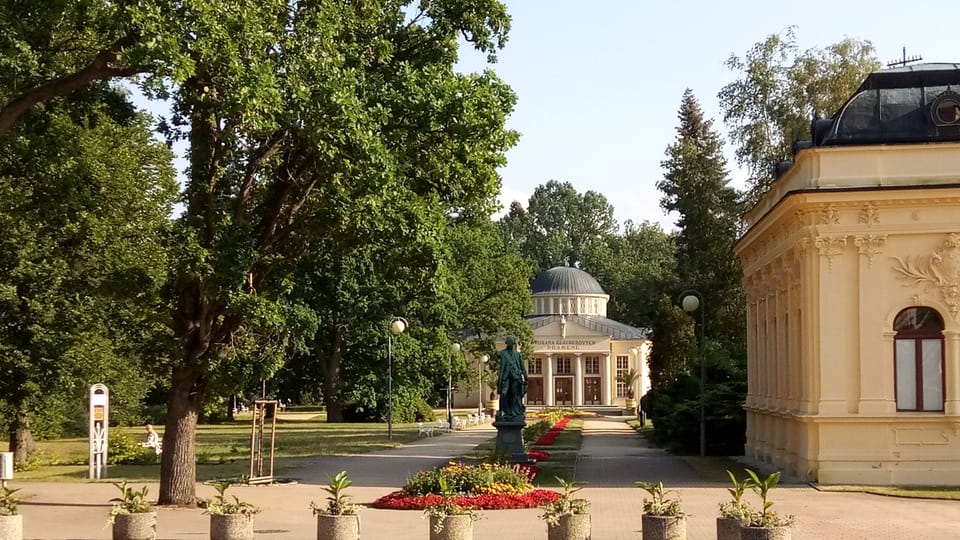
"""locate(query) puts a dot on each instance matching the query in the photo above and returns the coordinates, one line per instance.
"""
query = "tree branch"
(100, 68)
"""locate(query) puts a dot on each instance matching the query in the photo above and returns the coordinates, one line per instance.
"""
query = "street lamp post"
(480, 362)
(455, 348)
(692, 300)
(397, 326)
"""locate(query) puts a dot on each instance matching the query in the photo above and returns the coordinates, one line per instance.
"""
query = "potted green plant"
(230, 520)
(338, 520)
(132, 516)
(567, 518)
(663, 517)
(449, 520)
(766, 524)
(735, 512)
(629, 380)
(11, 522)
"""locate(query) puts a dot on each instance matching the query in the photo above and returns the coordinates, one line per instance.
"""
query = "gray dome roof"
(565, 280)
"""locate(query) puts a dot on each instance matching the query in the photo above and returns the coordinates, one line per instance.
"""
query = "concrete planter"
(140, 526)
(765, 533)
(664, 527)
(728, 528)
(456, 527)
(11, 527)
(231, 527)
(338, 527)
(571, 527)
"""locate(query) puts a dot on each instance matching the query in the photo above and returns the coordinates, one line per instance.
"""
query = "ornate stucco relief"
(829, 215)
(869, 214)
(830, 247)
(941, 269)
(869, 245)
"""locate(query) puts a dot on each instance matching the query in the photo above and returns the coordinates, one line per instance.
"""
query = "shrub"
(122, 450)
(467, 479)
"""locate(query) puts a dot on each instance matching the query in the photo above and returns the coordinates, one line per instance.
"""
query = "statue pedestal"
(510, 440)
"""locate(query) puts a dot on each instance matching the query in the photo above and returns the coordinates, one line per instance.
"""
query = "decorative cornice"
(940, 269)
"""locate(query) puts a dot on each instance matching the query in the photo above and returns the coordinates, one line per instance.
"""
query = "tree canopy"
(559, 227)
(85, 195)
(779, 90)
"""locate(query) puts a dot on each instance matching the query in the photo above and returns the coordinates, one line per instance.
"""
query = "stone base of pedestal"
(510, 440)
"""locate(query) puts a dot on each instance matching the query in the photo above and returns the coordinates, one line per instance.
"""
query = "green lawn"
(223, 450)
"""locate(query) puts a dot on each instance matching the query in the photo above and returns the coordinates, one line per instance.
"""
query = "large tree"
(697, 190)
(560, 226)
(695, 187)
(85, 199)
(304, 122)
(779, 90)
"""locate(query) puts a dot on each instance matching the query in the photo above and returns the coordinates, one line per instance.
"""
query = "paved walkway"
(612, 458)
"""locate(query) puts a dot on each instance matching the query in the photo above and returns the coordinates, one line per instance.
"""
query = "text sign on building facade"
(99, 425)
(571, 344)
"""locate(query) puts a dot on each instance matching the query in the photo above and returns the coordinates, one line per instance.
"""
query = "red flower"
(538, 455)
(530, 499)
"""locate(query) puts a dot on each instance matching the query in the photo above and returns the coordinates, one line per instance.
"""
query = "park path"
(611, 459)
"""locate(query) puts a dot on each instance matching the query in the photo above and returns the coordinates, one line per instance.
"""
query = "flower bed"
(485, 486)
(538, 455)
(531, 499)
(550, 436)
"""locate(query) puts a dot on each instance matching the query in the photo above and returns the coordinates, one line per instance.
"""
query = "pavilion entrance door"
(563, 391)
(535, 391)
(591, 391)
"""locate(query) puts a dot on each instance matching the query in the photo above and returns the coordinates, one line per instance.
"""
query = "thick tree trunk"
(21, 438)
(331, 379)
(178, 464)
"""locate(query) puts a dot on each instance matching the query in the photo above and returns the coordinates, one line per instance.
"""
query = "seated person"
(153, 440)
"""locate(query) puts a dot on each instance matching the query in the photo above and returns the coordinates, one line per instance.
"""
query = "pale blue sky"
(599, 82)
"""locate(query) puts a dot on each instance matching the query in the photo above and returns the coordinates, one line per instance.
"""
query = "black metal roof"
(911, 104)
(565, 280)
(616, 330)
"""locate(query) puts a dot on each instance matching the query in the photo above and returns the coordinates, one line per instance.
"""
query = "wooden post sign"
(99, 424)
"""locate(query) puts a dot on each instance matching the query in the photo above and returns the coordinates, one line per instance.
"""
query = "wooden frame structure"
(260, 408)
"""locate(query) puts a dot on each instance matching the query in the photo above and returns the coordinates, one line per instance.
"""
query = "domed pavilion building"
(578, 353)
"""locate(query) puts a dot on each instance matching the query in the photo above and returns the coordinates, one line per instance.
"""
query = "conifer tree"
(695, 186)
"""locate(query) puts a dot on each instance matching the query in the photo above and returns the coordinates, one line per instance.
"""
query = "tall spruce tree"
(695, 186)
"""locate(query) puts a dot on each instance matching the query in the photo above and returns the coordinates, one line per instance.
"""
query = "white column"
(578, 381)
(605, 380)
(548, 381)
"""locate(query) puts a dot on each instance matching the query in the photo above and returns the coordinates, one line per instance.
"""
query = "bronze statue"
(512, 384)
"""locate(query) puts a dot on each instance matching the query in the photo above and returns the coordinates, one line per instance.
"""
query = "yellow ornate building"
(852, 275)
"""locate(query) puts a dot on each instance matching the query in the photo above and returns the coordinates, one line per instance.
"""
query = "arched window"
(918, 356)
